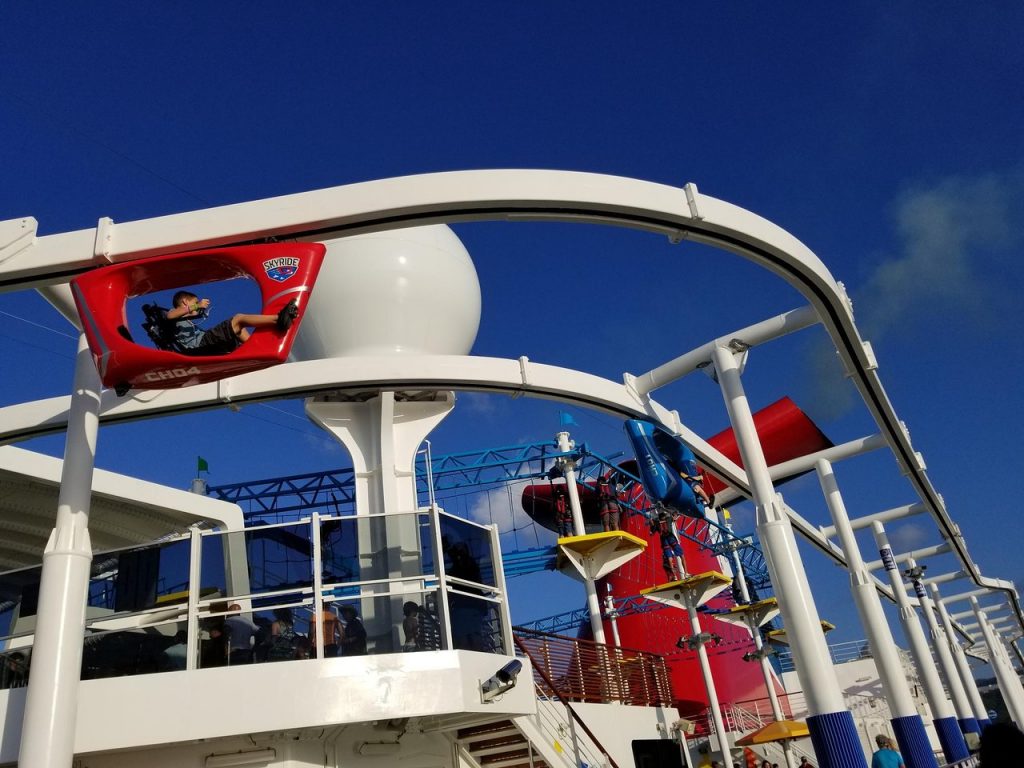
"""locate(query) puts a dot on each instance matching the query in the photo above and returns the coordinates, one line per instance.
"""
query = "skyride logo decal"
(282, 268)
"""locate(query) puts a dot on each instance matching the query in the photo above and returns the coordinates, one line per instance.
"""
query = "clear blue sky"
(888, 139)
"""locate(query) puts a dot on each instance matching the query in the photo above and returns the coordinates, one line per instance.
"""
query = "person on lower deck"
(241, 631)
(224, 337)
(886, 756)
(353, 638)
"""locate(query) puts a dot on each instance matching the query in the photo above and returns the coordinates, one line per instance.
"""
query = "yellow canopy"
(783, 730)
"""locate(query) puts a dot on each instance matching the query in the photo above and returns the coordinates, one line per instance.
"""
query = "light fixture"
(252, 757)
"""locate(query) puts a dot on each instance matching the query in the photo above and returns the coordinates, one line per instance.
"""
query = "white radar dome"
(403, 292)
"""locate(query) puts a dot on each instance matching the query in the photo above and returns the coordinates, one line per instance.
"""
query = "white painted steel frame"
(490, 195)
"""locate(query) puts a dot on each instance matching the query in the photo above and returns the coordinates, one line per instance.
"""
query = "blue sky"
(886, 138)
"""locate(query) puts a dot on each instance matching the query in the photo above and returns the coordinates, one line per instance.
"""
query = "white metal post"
(51, 707)
(579, 528)
(940, 646)
(960, 659)
(833, 732)
(1006, 687)
(508, 645)
(946, 727)
(906, 721)
(195, 548)
(317, 624)
(709, 682)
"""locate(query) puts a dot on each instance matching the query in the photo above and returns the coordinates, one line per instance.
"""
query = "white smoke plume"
(955, 240)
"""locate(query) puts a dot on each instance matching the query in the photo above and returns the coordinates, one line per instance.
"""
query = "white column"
(960, 659)
(51, 706)
(906, 720)
(579, 529)
(383, 435)
(1003, 676)
(865, 598)
(799, 613)
(831, 724)
(942, 650)
(948, 730)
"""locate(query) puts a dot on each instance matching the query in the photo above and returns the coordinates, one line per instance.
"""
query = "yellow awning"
(783, 730)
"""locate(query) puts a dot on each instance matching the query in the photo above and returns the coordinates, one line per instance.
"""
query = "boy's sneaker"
(287, 316)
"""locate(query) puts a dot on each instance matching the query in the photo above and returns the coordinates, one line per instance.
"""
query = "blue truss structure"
(333, 491)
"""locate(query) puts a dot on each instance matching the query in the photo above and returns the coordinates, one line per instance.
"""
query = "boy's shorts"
(219, 340)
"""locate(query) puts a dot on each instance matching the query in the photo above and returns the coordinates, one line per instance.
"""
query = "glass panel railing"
(140, 578)
(467, 550)
(476, 623)
(128, 650)
(376, 547)
(279, 558)
(265, 630)
(251, 598)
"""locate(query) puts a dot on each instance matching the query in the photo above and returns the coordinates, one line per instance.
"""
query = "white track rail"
(27, 261)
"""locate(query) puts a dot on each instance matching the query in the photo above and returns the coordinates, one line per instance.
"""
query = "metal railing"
(548, 690)
(408, 581)
(839, 653)
(582, 670)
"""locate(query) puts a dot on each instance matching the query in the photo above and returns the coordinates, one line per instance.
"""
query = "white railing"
(552, 725)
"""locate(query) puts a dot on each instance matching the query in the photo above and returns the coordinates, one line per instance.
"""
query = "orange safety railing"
(582, 670)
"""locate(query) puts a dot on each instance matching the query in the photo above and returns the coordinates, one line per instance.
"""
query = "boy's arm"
(187, 309)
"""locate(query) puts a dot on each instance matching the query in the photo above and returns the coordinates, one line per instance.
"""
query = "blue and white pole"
(962, 665)
(906, 722)
(954, 748)
(940, 644)
(51, 706)
(1003, 676)
(833, 732)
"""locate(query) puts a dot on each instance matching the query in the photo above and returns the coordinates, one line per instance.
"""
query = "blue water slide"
(661, 457)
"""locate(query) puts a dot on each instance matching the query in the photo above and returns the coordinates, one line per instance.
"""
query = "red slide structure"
(785, 432)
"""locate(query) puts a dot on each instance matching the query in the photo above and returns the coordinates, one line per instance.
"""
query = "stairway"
(498, 745)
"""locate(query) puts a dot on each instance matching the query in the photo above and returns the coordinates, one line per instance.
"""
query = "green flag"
(202, 466)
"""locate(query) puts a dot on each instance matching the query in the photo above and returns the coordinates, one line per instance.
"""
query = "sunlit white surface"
(407, 292)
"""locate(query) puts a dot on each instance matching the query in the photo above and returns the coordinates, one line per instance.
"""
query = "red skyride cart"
(283, 271)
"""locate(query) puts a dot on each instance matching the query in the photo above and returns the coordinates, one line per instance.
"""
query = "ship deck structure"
(125, 608)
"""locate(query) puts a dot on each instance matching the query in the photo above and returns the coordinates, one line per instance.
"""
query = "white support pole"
(569, 470)
(866, 521)
(906, 722)
(833, 732)
(709, 682)
(802, 464)
(195, 548)
(51, 706)
(751, 336)
(948, 730)
(960, 660)
(1004, 677)
(317, 625)
(940, 645)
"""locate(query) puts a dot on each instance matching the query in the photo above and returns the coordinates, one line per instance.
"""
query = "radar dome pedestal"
(408, 292)
(403, 292)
